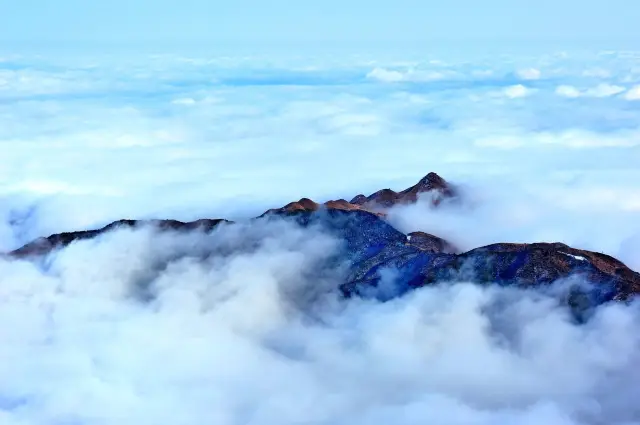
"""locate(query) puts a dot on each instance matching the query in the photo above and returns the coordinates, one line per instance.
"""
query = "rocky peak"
(432, 181)
(382, 199)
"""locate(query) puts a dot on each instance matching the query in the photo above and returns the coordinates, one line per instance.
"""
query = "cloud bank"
(243, 325)
(89, 139)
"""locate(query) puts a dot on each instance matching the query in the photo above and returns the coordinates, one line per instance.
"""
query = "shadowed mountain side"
(385, 263)
(522, 265)
(543, 263)
(431, 243)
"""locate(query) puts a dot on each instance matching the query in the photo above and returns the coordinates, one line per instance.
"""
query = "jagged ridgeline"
(371, 246)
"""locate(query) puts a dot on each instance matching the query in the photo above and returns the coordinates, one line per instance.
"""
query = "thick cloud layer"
(244, 326)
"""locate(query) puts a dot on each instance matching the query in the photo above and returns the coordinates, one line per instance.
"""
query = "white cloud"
(597, 73)
(386, 75)
(604, 90)
(599, 91)
(232, 136)
(568, 91)
(580, 139)
(144, 327)
(410, 75)
(500, 142)
(529, 74)
(184, 101)
(106, 147)
(633, 93)
(517, 91)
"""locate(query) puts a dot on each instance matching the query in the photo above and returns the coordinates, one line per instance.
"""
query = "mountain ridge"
(418, 258)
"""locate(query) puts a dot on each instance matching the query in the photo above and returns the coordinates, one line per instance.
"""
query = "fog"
(582, 214)
(245, 325)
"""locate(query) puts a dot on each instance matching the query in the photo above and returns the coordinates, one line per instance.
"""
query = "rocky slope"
(375, 250)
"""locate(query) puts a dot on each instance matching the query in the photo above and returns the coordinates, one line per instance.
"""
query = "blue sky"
(286, 21)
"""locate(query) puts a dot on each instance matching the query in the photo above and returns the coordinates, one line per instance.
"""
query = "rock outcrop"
(306, 204)
(432, 183)
(430, 243)
(385, 263)
(42, 246)
(378, 202)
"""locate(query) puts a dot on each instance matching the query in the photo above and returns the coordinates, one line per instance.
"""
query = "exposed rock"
(432, 183)
(430, 243)
(359, 200)
(539, 264)
(42, 246)
(308, 205)
(381, 200)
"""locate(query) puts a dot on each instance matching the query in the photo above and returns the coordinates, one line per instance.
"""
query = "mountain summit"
(378, 202)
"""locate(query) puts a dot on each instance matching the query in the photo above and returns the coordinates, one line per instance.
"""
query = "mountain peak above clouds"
(379, 201)
(372, 245)
(431, 184)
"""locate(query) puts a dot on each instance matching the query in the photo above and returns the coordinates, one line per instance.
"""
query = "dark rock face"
(430, 243)
(385, 263)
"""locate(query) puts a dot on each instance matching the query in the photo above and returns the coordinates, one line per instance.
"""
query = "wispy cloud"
(529, 74)
(633, 93)
(516, 91)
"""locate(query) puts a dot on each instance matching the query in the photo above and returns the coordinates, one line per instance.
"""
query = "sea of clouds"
(243, 326)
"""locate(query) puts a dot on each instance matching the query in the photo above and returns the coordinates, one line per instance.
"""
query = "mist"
(593, 216)
(245, 325)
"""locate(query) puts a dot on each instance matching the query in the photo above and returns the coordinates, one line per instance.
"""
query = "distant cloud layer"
(88, 139)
